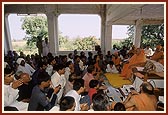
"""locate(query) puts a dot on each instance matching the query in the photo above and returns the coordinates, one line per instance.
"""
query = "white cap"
(19, 60)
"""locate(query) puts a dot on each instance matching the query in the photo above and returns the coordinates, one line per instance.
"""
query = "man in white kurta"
(58, 79)
(78, 88)
(10, 96)
(69, 69)
(50, 66)
(111, 69)
(77, 97)
(24, 67)
(148, 51)
(67, 73)
(45, 45)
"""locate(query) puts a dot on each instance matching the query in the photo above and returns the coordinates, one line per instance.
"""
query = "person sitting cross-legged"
(24, 67)
(94, 86)
(137, 59)
(11, 92)
(25, 89)
(111, 68)
(78, 89)
(143, 101)
(39, 101)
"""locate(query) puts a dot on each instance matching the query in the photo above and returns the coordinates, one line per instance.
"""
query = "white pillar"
(103, 36)
(52, 19)
(137, 35)
(108, 37)
(103, 29)
(7, 35)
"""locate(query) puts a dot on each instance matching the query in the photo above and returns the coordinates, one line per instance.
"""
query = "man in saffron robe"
(137, 59)
(117, 60)
(158, 54)
(143, 101)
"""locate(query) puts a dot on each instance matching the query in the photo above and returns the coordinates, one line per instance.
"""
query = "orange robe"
(116, 60)
(161, 61)
(145, 102)
(135, 59)
(98, 69)
(157, 55)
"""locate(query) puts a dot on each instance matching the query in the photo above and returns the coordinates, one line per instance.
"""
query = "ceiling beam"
(119, 11)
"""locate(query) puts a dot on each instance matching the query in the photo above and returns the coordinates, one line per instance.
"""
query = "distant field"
(21, 46)
(17, 44)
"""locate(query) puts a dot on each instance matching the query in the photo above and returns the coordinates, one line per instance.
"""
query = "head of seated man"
(144, 101)
(147, 88)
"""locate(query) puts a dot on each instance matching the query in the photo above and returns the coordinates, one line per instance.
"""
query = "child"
(94, 86)
(111, 68)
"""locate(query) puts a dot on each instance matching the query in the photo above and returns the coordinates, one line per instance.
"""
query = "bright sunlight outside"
(72, 27)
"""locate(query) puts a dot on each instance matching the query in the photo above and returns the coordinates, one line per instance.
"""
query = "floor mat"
(116, 81)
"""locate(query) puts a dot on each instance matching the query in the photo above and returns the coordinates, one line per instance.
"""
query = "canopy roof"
(120, 14)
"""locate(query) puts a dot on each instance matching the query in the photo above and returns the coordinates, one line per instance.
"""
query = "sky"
(71, 25)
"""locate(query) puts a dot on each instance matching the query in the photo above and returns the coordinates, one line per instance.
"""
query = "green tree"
(129, 41)
(87, 43)
(62, 40)
(34, 26)
(37, 26)
(151, 34)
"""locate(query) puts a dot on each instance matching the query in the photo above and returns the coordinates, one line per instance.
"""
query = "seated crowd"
(75, 82)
